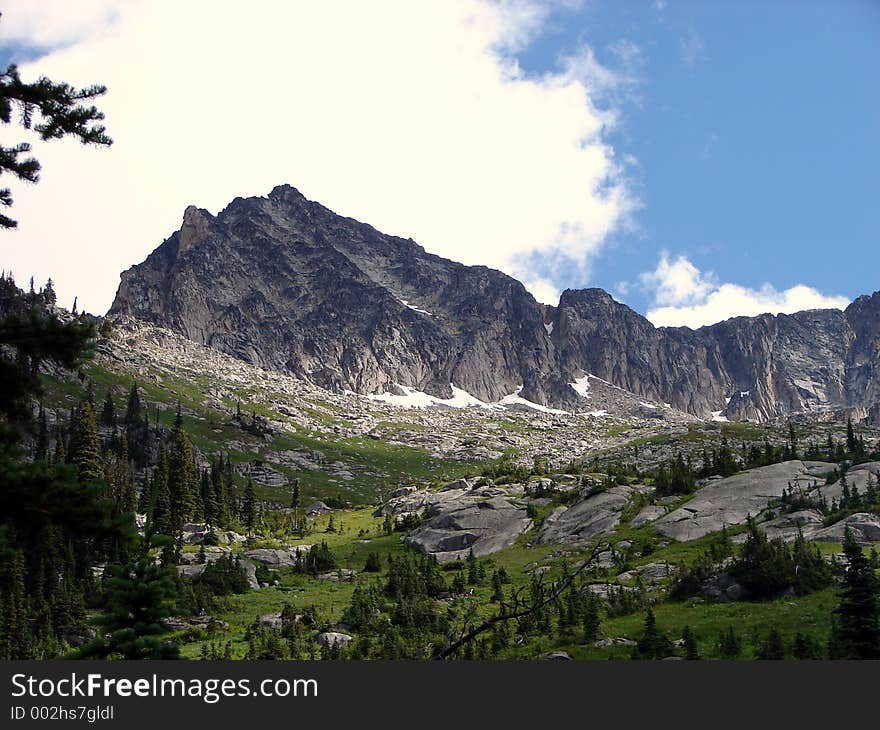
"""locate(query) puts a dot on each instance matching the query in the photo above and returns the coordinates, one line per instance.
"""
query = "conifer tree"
(136, 427)
(654, 644)
(161, 511)
(141, 594)
(53, 110)
(856, 634)
(852, 445)
(183, 483)
(591, 619)
(248, 506)
(473, 575)
(221, 493)
(690, 644)
(41, 447)
(773, 647)
(209, 507)
(729, 644)
(85, 449)
(108, 412)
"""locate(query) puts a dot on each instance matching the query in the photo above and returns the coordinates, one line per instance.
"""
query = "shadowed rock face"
(285, 283)
(456, 527)
(768, 366)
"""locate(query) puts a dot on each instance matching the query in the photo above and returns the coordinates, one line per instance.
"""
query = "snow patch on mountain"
(582, 386)
(413, 398)
(515, 399)
(415, 309)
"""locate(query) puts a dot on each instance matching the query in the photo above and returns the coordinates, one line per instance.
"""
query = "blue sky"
(755, 126)
(698, 160)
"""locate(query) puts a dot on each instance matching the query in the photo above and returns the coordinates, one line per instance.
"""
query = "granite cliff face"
(285, 283)
(767, 366)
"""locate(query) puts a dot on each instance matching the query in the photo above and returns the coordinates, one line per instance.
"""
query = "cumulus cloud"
(677, 282)
(414, 117)
(685, 296)
(52, 23)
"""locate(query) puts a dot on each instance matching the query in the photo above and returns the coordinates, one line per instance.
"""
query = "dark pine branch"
(512, 610)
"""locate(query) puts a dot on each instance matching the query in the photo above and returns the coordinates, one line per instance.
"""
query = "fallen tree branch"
(516, 612)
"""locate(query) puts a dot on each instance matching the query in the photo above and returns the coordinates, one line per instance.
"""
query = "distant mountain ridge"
(283, 282)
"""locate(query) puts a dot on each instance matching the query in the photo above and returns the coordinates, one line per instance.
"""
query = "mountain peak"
(288, 284)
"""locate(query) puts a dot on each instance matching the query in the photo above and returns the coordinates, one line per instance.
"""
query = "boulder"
(191, 571)
(260, 472)
(332, 638)
(604, 590)
(317, 508)
(648, 514)
(340, 575)
(593, 516)
(650, 573)
(865, 527)
(729, 501)
(786, 526)
(196, 569)
(722, 588)
(618, 641)
(402, 492)
(250, 572)
(277, 557)
(272, 620)
(856, 476)
(455, 527)
(211, 554)
(418, 501)
(556, 656)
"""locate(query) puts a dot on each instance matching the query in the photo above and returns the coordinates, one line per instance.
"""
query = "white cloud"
(51, 23)
(542, 289)
(685, 296)
(414, 117)
(677, 282)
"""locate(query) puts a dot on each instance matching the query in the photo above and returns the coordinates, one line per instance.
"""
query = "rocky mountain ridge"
(284, 283)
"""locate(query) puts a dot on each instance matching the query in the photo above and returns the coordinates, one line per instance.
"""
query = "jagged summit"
(285, 283)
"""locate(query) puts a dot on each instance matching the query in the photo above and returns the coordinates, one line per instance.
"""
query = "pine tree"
(294, 503)
(473, 576)
(136, 428)
(248, 506)
(161, 511)
(690, 644)
(654, 644)
(852, 445)
(41, 447)
(108, 412)
(141, 594)
(773, 648)
(209, 506)
(85, 449)
(857, 630)
(792, 441)
(222, 505)
(183, 483)
(57, 110)
(729, 644)
(591, 619)
(49, 295)
(497, 588)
